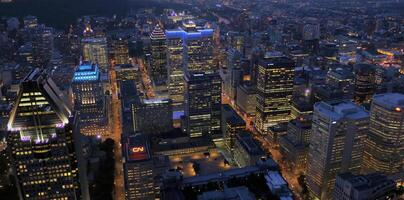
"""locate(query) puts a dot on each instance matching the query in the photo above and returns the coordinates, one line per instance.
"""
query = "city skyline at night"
(201, 100)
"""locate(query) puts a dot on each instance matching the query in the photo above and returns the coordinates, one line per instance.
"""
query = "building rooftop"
(391, 101)
(136, 148)
(86, 72)
(235, 193)
(231, 115)
(277, 62)
(340, 109)
(250, 144)
(157, 33)
(180, 33)
(276, 179)
(367, 182)
(231, 173)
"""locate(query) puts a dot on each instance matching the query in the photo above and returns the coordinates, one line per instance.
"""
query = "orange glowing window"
(398, 109)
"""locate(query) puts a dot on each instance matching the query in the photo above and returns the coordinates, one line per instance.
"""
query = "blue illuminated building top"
(194, 35)
(86, 72)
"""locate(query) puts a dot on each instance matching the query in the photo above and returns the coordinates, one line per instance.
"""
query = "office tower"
(153, 116)
(274, 91)
(234, 76)
(385, 143)
(301, 107)
(140, 168)
(42, 45)
(311, 30)
(175, 64)
(360, 187)
(127, 72)
(311, 36)
(189, 48)
(236, 40)
(95, 50)
(246, 99)
(90, 101)
(339, 131)
(129, 97)
(158, 68)
(295, 144)
(42, 142)
(364, 83)
(120, 51)
(198, 48)
(202, 103)
(276, 131)
(30, 22)
(247, 151)
(232, 124)
(341, 79)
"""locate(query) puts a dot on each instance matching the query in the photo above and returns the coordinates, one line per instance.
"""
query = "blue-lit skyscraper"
(90, 102)
(189, 48)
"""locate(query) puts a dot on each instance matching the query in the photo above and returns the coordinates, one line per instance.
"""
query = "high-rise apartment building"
(202, 103)
(339, 131)
(42, 141)
(95, 49)
(384, 150)
(158, 69)
(274, 91)
(90, 101)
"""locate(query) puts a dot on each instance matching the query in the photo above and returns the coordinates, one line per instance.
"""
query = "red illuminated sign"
(137, 149)
(138, 153)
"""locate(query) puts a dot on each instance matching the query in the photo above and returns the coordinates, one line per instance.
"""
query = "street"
(119, 191)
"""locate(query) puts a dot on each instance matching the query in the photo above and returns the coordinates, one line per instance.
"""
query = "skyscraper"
(153, 116)
(198, 48)
(90, 102)
(274, 91)
(175, 64)
(120, 50)
(190, 48)
(338, 135)
(42, 142)
(95, 50)
(42, 44)
(202, 103)
(158, 68)
(385, 143)
(295, 144)
(364, 83)
(357, 187)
